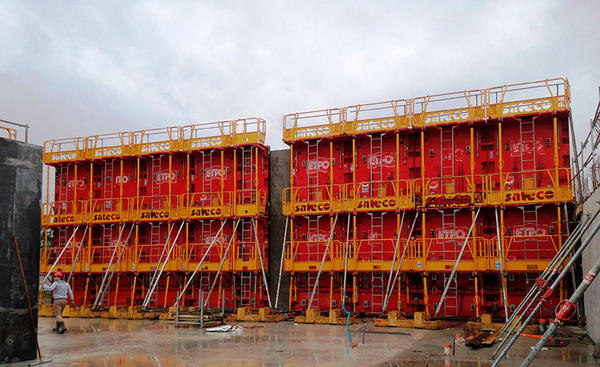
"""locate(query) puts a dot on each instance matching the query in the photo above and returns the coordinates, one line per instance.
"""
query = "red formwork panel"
(447, 157)
(532, 232)
(376, 236)
(445, 233)
(324, 299)
(314, 162)
(311, 234)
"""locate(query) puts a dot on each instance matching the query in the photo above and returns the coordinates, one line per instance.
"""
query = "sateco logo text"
(157, 147)
(63, 156)
(312, 132)
(107, 152)
(527, 106)
(207, 142)
(447, 116)
(375, 125)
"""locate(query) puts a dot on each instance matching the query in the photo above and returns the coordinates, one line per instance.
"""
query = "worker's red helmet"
(58, 274)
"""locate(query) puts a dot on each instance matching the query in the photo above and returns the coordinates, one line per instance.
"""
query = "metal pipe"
(200, 263)
(564, 311)
(162, 268)
(395, 253)
(287, 219)
(262, 266)
(105, 276)
(222, 260)
(462, 250)
(77, 255)
(312, 295)
(60, 256)
(112, 273)
(548, 292)
(346, 250)
(389, 295)
(500, 259)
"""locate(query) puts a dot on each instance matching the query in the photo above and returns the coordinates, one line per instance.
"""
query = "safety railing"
(448, 108)
(11, 129)
(318, 199)
(307, 255)
(531, 244)
(312, 124)
(374, 117)
(63, 150)
(379, 195)
(108, 145)
(551, 95)
(535, 186)
(548, 95)
(155, 141)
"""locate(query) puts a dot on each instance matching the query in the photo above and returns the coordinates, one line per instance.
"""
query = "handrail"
(207, 135)
(550, 95)
(12, 131)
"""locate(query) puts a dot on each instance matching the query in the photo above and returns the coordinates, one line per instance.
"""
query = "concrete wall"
(20, 193)
(279, 179)
(589, 258)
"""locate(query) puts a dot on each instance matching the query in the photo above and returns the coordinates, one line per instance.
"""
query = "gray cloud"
(82, 68)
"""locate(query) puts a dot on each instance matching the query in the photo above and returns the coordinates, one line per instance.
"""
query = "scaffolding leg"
(287, 219)
(502, 280)
(262, 266)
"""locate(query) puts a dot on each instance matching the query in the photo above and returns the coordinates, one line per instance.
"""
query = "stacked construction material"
(138, 217)
(447, 204)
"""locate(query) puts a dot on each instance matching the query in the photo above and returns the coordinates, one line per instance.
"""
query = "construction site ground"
(106, 342)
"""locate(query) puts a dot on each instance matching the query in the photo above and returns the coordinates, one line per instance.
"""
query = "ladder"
(376, 236)
(376, 167)
(531, 241)
(312, 244)
(107, 242)
(63, 183)
(449, 240)
(245, 289)
(63, 237)
(312, 159)
(155, 190)
(247, 175)
(155, 240)
(206, 168)
(108, 181)
(447, 159)
(527, 136)
(377, 295)
(246, 240)
(313, 284)
(451, 301)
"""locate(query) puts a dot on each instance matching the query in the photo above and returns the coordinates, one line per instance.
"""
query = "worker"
(62, 291)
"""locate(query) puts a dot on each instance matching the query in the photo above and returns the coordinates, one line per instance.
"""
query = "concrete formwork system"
(435, 204)
(140, 217)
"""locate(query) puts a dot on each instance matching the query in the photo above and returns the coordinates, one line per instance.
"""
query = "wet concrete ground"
(100, 342)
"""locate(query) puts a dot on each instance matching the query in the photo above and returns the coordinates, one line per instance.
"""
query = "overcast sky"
(73, 68)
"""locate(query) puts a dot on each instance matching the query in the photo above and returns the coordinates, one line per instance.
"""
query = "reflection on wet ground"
(101, 342)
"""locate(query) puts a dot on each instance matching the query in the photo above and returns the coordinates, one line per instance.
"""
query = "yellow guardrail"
(550, 95)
